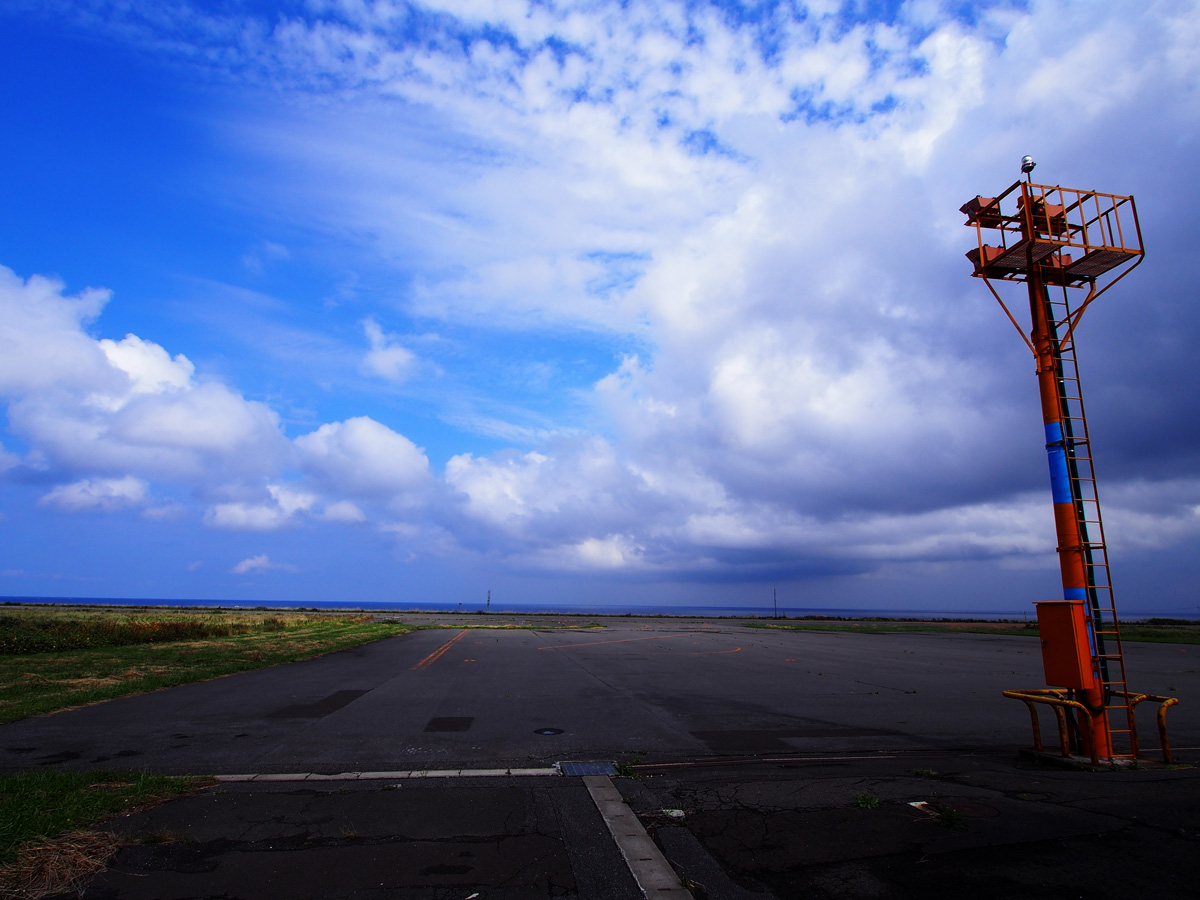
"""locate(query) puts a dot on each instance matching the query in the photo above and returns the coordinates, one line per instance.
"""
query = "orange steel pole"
(1073, 557)
(1050, 221)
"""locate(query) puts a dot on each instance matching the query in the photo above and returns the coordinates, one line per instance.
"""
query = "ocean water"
(1020, 615)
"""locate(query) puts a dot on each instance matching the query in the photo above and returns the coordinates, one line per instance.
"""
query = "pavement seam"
(654, 875)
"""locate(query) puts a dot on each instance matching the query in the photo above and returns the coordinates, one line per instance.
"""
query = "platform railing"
(1057, 700)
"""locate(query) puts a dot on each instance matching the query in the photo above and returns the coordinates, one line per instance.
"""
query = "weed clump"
(949, 817)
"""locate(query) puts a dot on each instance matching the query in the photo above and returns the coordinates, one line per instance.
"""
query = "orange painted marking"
(437, 654)
(657, 637)
(702, 652)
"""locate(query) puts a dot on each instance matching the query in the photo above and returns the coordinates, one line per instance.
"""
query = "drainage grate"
(587, 768)
(450, 723)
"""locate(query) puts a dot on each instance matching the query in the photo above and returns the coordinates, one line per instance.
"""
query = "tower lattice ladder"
(1118, 713)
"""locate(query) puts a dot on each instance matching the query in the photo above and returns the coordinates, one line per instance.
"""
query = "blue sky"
(599, 302)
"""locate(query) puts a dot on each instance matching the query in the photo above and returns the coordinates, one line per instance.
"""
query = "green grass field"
(53, 658)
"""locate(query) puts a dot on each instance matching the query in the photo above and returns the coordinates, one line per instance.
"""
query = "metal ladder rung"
(1086, 500)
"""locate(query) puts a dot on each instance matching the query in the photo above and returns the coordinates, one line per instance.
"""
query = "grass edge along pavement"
(46, 682)
(46, 845)
(1157, 630)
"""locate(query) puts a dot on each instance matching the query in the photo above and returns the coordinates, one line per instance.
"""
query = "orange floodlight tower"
(1057, 240)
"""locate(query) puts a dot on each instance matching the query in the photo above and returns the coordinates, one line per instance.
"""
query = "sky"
(578, 303)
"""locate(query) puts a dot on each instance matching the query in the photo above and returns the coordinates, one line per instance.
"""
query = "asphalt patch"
(449, 723)
(320, 709)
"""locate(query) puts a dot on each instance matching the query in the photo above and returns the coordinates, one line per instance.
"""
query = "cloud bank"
(758, 205)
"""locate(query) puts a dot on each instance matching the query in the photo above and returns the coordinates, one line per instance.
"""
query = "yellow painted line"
(437, 654)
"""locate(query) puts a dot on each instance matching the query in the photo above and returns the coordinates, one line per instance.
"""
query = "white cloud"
(546, 497)
(256, 564)
(343, 511)
(386, 358)
(1142, 515)
(119, 407)
(169, 511)
(7, 460)
(364, 458)
(148, 366)
(101, 494)
(240, 516)
(282, 507)
(611, 552)
(263, 254)
(42, 342)
(211, 419)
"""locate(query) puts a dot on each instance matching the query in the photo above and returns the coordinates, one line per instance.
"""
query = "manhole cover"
(548, 731)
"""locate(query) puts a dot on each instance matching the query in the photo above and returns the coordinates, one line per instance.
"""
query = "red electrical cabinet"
(1066, 644)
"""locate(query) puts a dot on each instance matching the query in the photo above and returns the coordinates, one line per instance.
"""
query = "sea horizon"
(663, 610)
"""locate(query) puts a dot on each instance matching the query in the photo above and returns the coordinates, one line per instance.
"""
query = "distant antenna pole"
(489, 603)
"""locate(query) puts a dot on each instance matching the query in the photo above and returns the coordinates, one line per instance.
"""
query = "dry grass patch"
(51, 866)
(89, 682)
(47, 842)
(300, 646)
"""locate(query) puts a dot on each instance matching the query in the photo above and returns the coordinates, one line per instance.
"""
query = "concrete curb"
(648, 866)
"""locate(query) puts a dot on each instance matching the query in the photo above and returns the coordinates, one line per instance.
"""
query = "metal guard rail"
(1057, 700)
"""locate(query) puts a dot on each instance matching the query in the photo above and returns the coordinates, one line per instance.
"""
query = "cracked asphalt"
(768, 764)
(986, 826)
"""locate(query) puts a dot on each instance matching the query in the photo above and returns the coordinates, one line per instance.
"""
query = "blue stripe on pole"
(1074, 593)
(1060, 479)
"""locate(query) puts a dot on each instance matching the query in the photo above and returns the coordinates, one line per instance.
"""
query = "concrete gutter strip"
(388, 776)
(648, 866)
